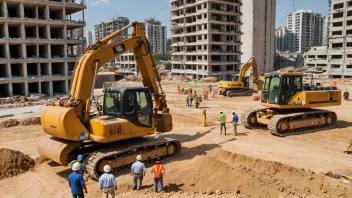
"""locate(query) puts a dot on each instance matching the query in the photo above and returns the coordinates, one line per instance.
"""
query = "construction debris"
(208, 80)
(16, 122)
(14, 163)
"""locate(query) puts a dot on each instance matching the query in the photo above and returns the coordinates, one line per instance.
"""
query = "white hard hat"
(76, 166)
(107, 168)
(233, 112)
(139, 157)
(220, 111)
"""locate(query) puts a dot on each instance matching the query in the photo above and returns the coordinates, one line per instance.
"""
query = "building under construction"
(37, 46)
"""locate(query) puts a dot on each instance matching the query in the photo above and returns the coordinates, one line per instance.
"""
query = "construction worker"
(190, 101)
(197, 101)
(107, 183)
(138, 171)
(81, 163)
(234, 121)
(187, 101)
(346, 95)
(222, 119)
(76, 182)
(158, 170)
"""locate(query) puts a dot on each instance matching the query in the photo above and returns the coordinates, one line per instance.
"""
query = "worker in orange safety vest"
(159, 171)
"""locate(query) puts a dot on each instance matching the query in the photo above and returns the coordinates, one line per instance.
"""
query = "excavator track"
(237, 93)
(276, 119)
(245, 119)
(124, 154)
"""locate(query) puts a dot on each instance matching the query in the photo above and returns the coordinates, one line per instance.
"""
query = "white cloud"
(97, 2)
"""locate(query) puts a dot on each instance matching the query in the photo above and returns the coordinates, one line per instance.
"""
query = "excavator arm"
(56, 120)
(251, 63)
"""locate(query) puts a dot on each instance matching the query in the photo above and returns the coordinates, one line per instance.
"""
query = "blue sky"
(103, 10)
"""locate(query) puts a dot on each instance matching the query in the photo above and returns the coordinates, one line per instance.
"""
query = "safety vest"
(222, 118)
(158, 170)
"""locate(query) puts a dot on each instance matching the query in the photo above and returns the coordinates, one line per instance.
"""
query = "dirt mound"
(208, 80)
(30, 121)
(251, 176)
(14, 163)
(9, 123)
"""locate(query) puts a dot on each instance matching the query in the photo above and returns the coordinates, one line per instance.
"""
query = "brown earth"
(23, 122)
(14, 163)
(252, 164)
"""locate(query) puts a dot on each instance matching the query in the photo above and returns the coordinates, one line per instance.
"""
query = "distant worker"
(107, 183)
(222, 119)
(234, 121)
(197, 101)
(76, 182)
(158, 170)
(81, 163)
(190, 101)
(346, 95)
(187, 101)
(138, 171)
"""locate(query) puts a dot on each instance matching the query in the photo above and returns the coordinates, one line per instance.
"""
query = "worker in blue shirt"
(107, 183)
(234, 120)
(76, 182)
(138, 171)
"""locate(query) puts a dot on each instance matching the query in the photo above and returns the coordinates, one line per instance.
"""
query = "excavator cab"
(279, 89)
(133, 104)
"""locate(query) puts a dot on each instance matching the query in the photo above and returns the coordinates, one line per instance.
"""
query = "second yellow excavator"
(114, 135)
(242, 85)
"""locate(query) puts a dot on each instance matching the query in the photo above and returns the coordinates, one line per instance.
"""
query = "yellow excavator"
(242, 85)
(114, 134)
(290, 106)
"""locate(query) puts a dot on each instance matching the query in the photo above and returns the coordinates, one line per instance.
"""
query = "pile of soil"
(244, 175)
(208, 80)
(14, 163)
(23, 122)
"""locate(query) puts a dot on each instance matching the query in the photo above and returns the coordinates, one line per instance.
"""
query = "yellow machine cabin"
(290, 105)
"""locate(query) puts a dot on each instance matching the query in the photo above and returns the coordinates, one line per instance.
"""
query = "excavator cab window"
(265, 90)
(274, 88)
(138, 107)
(290, 85)
(112, 103)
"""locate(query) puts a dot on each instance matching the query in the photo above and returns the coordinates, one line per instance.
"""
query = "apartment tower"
(37, 45)
(206, 38)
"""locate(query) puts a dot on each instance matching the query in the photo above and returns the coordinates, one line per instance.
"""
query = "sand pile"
(14, 163)
(208, 80)
(244, 175)
(23, 122)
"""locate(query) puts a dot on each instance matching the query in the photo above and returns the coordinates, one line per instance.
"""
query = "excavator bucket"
(164, 123)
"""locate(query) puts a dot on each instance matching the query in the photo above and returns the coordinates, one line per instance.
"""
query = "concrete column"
(66, 69)
(39, 87)
(24, 50)
(26, 91)
(47, 13)
(47, 27)
(64, 13)
(49, 51)
(10, 89)
(65, 32)
(6, 30)
(65, 49)
(7, 48)
(36, 13)
(4, 9)
(50, 70)
(21, 11)
(25, 72)
(37, 32)
(23, 31)
(51, 92)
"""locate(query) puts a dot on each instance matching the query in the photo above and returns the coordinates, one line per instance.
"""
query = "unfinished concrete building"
(206, 38)
(34, 45)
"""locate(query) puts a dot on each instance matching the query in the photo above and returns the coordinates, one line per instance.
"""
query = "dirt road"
(254, 163)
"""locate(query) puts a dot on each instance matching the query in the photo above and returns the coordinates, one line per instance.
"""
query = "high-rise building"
(156, 34)
(307, 29)
(259, 33)
(36, 46)
(340, 40)
(206, 38)
(90, 38)
(281, 38)
(106, 28)
(326, 31)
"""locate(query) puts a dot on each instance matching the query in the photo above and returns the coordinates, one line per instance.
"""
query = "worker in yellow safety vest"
(222, 119)
(159, 171)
